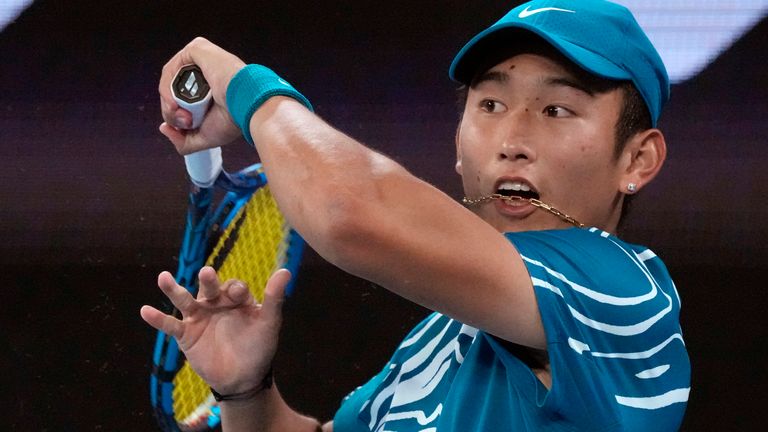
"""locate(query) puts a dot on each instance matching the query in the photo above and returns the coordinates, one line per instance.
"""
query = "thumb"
(274, 295)
(177, 137)
(185, 141)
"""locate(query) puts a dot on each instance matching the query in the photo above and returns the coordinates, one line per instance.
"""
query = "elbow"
(347, 233)
(358, 214)
(343, 218)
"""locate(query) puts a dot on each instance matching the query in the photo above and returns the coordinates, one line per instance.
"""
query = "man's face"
(530, 124)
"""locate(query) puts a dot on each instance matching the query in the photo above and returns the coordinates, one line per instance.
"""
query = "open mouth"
(520, 189)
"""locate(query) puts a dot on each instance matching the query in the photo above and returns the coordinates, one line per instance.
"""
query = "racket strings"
(259, 247)
(252, 246)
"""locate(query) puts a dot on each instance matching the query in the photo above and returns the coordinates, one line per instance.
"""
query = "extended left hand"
(228, 338)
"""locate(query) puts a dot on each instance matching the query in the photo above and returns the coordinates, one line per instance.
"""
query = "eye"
(557, 111)
(492, 106)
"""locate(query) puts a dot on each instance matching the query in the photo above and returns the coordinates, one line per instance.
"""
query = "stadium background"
(92, 197)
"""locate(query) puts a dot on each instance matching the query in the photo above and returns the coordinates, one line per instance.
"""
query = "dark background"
(92, 197)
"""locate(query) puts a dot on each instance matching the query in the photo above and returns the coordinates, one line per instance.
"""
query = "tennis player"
(543, 318)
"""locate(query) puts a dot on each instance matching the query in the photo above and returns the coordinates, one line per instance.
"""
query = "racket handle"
(192, 92)
(204, 166)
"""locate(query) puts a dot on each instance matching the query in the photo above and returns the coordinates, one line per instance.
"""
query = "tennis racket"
(242, 236)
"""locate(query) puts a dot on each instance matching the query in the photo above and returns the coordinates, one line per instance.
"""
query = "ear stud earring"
(632, 188)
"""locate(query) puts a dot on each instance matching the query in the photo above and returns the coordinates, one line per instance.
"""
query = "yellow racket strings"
(252, 247)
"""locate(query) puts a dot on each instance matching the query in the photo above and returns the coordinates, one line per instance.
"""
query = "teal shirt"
(618, 362)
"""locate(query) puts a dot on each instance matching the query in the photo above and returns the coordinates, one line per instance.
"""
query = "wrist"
(249, 394)
(250, 88)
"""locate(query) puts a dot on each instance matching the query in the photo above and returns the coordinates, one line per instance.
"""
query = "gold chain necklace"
(533, 201)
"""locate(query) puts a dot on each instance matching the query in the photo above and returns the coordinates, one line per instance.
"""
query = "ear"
(642, 159)
(459, 169)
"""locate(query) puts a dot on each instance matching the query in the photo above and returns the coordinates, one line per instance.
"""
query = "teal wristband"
(250, 88)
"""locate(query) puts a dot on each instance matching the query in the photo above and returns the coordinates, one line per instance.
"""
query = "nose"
(514, 153)
(518, 140)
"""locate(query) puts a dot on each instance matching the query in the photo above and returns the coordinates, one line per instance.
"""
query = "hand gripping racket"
(243, 236)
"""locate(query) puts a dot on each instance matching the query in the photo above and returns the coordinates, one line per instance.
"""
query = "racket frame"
(201, 231)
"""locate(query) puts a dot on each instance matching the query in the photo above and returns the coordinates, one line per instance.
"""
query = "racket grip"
(204, 166)
(192, 92)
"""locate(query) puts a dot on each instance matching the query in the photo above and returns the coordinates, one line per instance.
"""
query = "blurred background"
(92, 197)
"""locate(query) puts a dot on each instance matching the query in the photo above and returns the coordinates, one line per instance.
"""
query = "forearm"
(266, 412)
(319, 176)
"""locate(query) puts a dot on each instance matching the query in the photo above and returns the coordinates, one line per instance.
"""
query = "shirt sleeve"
(611, 316)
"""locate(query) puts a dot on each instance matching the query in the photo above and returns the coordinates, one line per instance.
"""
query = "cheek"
(469, 150)
(471, 175)
(588, 166)
(469, 169)
(591, 146)
(467, 134)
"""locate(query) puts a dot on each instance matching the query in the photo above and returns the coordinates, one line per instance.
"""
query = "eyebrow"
(502, 78)
(568, 82)
(493, 76)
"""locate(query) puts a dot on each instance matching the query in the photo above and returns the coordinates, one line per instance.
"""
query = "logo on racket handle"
(192, 92)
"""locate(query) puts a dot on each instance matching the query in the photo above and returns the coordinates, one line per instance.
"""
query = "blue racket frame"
(195, 248)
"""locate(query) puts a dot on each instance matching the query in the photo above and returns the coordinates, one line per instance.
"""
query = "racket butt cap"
(204, 167)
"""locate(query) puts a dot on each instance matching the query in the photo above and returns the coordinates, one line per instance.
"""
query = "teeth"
(515, 186)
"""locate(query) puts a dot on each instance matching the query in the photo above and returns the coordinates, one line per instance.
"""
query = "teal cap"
(601, 37)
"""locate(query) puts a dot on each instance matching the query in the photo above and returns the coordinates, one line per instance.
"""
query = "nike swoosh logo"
(525, 13)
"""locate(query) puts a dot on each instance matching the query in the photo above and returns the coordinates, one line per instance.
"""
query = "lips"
(515, 187)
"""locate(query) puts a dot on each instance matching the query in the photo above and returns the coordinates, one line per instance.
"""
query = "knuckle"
(198, 42)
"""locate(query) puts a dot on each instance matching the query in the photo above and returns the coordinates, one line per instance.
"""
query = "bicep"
(424, 246)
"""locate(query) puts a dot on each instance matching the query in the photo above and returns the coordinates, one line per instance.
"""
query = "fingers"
(218, 66)
(239, 293)
(175, 136)
(217, 128)
(176, 293)
(162, 322)
(185, 141)
(211, 289)
(274, 295)
(168, 104)
(172, 114)
(210, 286)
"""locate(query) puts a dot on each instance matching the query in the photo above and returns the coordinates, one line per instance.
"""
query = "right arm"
(364, 212)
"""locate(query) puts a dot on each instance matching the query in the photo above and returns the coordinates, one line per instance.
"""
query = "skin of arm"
(366, 214)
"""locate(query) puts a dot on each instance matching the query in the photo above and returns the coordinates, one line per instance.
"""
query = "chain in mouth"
(534, 201)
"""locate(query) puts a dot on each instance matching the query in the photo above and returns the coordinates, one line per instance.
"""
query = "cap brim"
(465, 64)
